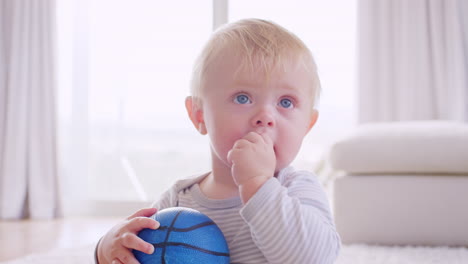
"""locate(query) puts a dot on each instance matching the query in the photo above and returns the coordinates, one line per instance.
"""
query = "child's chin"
(279, 167)
(281, 164)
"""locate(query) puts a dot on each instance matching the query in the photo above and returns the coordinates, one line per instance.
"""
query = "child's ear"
(313, 119)
(195, 113)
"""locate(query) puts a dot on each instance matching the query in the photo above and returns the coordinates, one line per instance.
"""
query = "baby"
(253, 92)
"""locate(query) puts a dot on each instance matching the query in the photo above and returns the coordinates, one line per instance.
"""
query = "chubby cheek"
(287, 148)
(223, 137)
(221, 146)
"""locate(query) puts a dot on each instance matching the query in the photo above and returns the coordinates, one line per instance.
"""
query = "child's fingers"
(241, 143)
(259, 137)
(147, 212)
(116, 261)
(253, 137)
(264, 138)
(267, 139)
(234, 154)
(131, 241)
(229, 157)
(138, 223)
(126, 257)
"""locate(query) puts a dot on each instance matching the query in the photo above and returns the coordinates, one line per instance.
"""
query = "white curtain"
(412, 60)
(28, 168)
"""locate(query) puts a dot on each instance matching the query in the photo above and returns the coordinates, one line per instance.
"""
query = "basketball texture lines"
(184, 236)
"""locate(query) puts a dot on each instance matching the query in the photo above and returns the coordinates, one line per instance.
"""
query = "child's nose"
(263, 119)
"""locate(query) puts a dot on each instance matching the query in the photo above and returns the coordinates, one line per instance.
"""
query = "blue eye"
(286, 103)
(241, 99)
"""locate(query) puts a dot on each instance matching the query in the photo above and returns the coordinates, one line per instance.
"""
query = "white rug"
(353, 254)
(362, 254)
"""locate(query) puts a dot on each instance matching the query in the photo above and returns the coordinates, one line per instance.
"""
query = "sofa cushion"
(402, 209)
(403, 147)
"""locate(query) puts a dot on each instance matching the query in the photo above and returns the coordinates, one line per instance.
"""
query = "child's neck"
(219, 183)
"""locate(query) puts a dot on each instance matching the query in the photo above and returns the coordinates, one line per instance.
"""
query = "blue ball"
(184, 236)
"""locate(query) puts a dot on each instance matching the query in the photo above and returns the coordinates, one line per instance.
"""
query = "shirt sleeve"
(170, 198)
(165, 200)
(291, 221)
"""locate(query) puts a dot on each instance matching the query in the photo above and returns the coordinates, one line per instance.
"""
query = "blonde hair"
(261, 46)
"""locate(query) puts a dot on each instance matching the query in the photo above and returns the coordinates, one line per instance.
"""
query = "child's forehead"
(291, 79)
(237, 73)
(234, 66)
(257, 66)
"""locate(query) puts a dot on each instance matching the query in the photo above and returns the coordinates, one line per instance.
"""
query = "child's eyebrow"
(245, 83)
(291, 88)
(249, 84)
(287, 86)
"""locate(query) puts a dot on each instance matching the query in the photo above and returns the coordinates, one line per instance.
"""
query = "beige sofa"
(402, 184)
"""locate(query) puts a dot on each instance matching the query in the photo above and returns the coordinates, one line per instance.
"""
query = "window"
(141, 56)
(123, 120)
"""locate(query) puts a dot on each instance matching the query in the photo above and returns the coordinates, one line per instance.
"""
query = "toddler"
(253, 92)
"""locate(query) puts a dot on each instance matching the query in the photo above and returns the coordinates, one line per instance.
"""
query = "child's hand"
(117, 244)
(253, 159)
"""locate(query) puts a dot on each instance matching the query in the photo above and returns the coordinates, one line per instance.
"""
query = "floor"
(72, 241)
(21, 238)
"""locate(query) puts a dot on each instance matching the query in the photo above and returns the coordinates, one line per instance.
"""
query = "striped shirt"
(288, 220)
